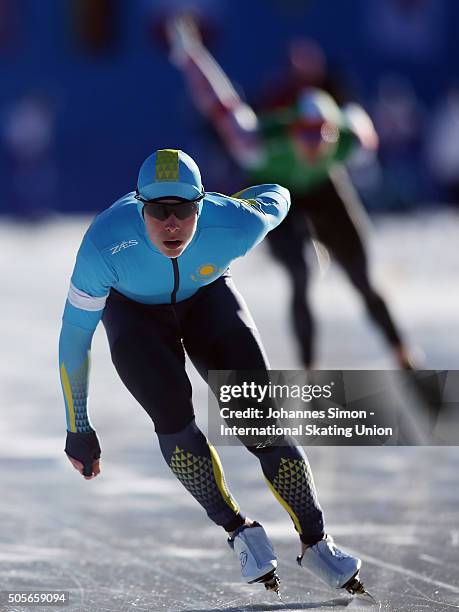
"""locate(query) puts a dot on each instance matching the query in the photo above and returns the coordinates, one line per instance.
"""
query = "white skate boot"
(256, 556)
(334, 567)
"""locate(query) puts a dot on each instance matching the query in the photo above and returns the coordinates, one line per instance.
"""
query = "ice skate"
(256, 556)
(334, 567)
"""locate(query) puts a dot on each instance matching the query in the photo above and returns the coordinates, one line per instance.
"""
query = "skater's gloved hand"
(83, 451)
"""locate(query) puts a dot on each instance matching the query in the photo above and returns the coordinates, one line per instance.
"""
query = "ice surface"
(132, 539)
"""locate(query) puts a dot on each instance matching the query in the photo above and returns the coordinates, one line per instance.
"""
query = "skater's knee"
(257, 451)
(267, 447)
(183, 433)
(278, 447)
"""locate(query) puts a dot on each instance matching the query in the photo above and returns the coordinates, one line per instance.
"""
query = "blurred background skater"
(306, 66)
(303, 147)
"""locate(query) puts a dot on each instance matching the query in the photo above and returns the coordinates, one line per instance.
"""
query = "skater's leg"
(238, 348)
(286, 468)
(287, 244)
(289, 477)
(340, 226)
(234, 344)
(220, 333)
(148, 355)
(195, 462)
(357, 269)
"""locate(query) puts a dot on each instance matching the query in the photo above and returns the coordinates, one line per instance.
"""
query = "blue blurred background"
(88, 92)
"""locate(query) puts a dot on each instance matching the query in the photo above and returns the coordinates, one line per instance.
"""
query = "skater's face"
(172, 235)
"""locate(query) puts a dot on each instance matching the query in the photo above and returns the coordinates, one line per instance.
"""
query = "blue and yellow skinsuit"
(153, 308)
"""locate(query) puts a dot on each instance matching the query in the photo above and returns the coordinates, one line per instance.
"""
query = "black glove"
(84, 447)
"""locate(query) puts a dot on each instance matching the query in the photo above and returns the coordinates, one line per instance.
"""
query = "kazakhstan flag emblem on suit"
(205, 271)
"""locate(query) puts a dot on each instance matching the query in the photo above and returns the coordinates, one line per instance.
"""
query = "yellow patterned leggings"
(195, 462)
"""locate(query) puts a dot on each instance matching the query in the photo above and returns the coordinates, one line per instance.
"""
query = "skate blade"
(357, 590)
(366, 598)
(272, 583)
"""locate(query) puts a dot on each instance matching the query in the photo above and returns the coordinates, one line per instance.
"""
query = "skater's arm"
(82, 446)
(74, 362)
(88, 291)
(89, 288)
(214, 94)
(265, 206)
(361, 126)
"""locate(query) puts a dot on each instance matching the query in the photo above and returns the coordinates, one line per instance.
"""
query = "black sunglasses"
(162, 208)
